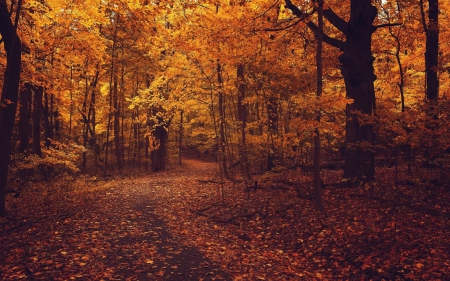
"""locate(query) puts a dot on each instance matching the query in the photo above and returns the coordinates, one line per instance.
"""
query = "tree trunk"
(358, 72)
(37, 111)
(180, 138)
(319, 90)
(91, 119)
(86, 127)
(432, 49)
(10, 92)
(272, 115)
(357, 69)
(113, 52)
(158, 156)
(24, 119)
(242, 116)
(71, 103)
(222, 140)
(117, 127)
(147, 141)
(47, 113)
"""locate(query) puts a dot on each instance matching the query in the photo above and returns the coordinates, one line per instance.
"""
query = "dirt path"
(174, 225)
(112, 233)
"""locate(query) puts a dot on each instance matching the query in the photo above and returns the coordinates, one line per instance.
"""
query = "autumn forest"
(224, 140)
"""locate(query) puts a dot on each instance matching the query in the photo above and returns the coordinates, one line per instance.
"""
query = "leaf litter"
(174, 225)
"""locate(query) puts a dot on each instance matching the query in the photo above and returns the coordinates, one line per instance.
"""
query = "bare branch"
(387, 25)
(422, 14)
(313, 27)
(283, 28)
(335, 20)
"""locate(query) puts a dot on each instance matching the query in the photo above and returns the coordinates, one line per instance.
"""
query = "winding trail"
(111, 233)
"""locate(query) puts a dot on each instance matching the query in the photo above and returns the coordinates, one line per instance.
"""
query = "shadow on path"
(114, 234)
(173, 260)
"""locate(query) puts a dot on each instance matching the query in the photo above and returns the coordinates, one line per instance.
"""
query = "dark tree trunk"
(222, 141)
(46, 111)
(432, 49)
(24, 118)
(159, 155)
(242, 116)
(91, 119)
(147, 141)
(117, 127)
(180, 138)
(147, 136)
(37, 112)
(113, 50)
(358, 72)
(146, 153)
(319, 90)
(10, 92)
(357, 69)
(86, 128)
(272, 115)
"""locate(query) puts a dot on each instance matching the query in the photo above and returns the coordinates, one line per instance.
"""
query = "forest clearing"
(224, 140)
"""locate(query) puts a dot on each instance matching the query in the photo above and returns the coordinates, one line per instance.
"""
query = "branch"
(387, 25)
(422, 14)
(327, 39)
(335, 20)
(283, 28)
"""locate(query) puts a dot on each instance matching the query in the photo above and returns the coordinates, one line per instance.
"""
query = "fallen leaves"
(142, 229)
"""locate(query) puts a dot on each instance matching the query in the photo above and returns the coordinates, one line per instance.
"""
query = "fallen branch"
(230, 219)
(209, 181)
(210, 206)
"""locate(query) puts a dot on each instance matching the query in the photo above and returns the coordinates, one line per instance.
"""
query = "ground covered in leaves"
(183, 224)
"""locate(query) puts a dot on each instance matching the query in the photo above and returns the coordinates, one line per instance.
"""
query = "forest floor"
(179, 225)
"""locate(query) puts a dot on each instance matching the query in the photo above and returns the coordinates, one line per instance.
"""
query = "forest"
(224, 140)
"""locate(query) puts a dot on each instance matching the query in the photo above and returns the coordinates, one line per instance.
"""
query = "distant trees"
(234, 80)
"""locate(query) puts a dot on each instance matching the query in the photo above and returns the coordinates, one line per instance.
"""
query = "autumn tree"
(431, 30)
(357, 69)
(10, 91)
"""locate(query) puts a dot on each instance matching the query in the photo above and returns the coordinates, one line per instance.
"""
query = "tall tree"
(37, 112)
(10, 92)
(357, 69)
(24, 118)
(319, 90)
(432, 48)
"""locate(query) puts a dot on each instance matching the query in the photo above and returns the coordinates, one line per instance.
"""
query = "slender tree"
(319, 90)
(113, 53)
(242, 116)
(24, 118)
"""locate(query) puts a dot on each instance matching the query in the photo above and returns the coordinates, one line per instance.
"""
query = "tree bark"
(113, 53)
(319, 90)
(431, 49)
(117, 127)
(222, 140)
(159, 155)
(357, 69)
(37, 111)
(47, 127)
(24, 119)
(10, 92)
(180, 138)
(242, 116)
